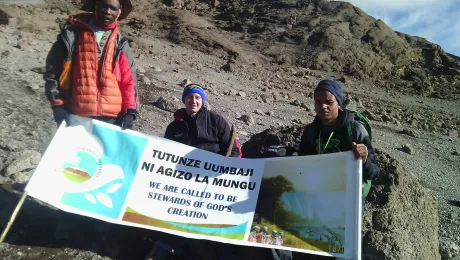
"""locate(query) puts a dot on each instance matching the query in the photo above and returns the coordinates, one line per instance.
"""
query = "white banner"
(308, 204)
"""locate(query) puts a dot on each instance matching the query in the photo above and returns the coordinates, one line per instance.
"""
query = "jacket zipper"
(99, 74)
(98, 79)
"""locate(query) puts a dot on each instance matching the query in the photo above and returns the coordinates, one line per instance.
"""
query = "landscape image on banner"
(302, 207)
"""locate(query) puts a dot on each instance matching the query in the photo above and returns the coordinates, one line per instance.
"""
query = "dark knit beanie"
(332, 86)
(193, 88)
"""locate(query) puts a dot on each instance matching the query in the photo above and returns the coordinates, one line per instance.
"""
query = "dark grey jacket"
(208, 131)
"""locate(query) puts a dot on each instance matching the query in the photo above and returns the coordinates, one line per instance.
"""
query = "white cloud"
(431, 19)
(411, 21)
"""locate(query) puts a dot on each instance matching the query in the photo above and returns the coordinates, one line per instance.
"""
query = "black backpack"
(279, 151)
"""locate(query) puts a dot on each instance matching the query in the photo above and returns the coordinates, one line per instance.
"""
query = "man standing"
(90, 68)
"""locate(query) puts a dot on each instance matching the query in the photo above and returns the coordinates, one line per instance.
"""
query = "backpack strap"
(367, 184)
(70, 34)
(350, 129)
(121, 40)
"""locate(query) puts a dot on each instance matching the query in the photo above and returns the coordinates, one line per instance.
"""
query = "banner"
(309, 204)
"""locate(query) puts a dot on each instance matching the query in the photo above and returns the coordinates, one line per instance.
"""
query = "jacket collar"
(180, 114)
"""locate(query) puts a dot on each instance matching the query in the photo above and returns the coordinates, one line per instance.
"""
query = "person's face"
(107, 11)
(193, 103)
(326, 106)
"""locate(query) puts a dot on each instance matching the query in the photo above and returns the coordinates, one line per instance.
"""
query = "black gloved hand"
(128, 119)
(61, 113)
(127, 122)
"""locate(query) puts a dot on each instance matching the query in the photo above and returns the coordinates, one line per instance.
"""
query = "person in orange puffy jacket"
(90, 69)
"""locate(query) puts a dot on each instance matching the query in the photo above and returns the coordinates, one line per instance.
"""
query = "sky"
(438, 21)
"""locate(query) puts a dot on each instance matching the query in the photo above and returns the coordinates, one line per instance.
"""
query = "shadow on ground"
(455, 203)
(41, 226)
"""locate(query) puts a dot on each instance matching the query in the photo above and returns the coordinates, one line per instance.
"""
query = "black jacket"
(208, 131)
(315, 137)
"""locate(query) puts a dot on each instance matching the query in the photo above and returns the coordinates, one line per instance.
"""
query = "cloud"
(429, 19)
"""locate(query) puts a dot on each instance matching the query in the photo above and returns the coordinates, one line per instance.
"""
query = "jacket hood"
(180, 114)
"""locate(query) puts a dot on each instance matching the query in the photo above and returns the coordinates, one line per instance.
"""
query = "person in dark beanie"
(335, 129)
(199, 127)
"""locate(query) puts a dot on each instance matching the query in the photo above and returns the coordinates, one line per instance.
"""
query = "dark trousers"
(62, 113)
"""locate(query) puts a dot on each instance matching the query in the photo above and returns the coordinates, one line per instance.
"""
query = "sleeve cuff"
(57, 102)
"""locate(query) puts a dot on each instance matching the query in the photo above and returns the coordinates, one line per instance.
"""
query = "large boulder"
(401, 218)
(258, 144)
(401, 221)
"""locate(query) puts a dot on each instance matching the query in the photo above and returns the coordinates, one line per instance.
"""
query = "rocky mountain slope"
(259, 61)
(338, 37)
